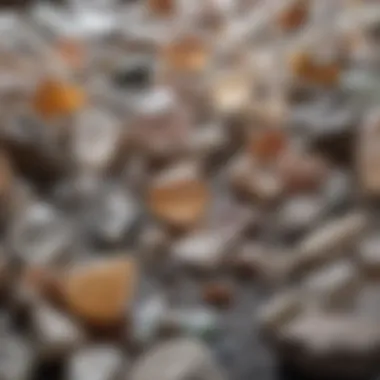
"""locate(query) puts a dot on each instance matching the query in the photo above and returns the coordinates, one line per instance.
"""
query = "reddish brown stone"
(268, 144)
(294, 16)
(302, 173)
(162, 7)
(218, 294)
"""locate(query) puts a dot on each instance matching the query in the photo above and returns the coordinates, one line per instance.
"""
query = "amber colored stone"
(186, 54)
(162, 7)
(218, 294)
(325, 74)
(54, 98)
(267, 144)
(72, 52)
(180, 204)
(294, 16)
(100, 293)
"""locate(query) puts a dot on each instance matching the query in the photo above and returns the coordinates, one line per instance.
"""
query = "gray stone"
(56, 333)
(177, 359)
(40, 235)
(97, 362)
(16, 357)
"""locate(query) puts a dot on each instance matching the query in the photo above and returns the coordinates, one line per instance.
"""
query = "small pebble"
(96, 362)
(218, 294)
(99, 292)
(177, 359)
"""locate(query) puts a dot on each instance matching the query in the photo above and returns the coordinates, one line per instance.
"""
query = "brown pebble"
(188, 54)
(302, 172)
(162, 7)
(99, 293)
(181, 204)
(218, 294)
(293, 16)
(304, 68)
(54, 98)
(267, 144)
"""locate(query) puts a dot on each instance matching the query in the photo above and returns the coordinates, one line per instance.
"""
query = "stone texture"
(99, 293)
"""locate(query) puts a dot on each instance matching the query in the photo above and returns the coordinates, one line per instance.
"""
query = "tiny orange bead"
(54, 98)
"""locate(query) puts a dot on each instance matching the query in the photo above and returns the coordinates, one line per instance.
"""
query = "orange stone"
(268, 144)
(294, 16)
(186, 54)
(325, 74)
(99, 293)
(181, 204)
(54, 98)
(162, 7)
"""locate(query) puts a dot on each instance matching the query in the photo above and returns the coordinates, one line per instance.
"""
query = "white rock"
(325, 243)
(299, 214)
(333, 286)
(200, 322)
(115, 214)
(178, 359)
(203, 249)
(56, 333)
(328, 333)
(279, 311)
(98, 362)
(95, 139)
(148, 318)
(337, 345)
